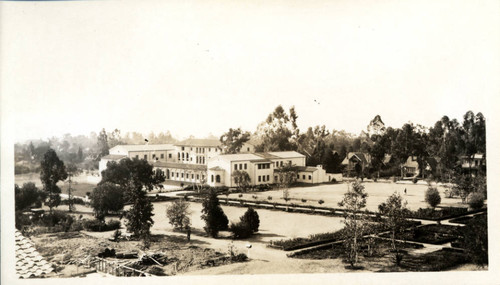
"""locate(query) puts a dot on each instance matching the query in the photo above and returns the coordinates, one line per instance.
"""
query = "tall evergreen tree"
(213, 215)
(52, 171)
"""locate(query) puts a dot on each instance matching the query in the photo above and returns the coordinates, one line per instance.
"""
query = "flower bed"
(433, 234)
(379, 248)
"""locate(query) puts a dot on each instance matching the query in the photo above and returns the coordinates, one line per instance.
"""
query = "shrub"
(240, 195)
(22, 220)
(321, 201)
(476, 201)
(432, 197)
(269, 198)
(304, 200)
(96, 225)
(251, 218)
(240, 230)
(116, 235)
(414, 180)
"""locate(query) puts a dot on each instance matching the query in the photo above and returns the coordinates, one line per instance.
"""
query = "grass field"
(79, 185)
(332, 194)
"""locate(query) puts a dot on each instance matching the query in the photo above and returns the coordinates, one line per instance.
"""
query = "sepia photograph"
(278, 142)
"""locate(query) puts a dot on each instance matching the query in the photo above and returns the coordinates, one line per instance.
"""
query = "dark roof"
(114, 156)
(180, 165)
(200, 142)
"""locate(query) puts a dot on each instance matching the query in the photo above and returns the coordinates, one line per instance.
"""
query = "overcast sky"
(203, 67)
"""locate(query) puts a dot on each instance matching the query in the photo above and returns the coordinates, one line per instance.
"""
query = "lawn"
(332, 194)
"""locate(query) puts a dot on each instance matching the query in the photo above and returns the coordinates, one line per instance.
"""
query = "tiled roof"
(144, 147)
(199, 142)
(29, 263)
(180, 165)
(113, 156)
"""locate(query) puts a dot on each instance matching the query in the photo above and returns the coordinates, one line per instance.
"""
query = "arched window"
(217, 179)
(212, 178)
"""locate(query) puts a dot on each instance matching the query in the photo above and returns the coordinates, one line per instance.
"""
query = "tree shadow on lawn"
(177, 239)
(258, 237)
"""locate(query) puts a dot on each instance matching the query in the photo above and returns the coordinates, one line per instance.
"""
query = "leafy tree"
(432, 197)
(354, 202)
(241, 179)
(135, 176)
(213, 215)
(106, 197)
(52, 171)
(178, 214)
(27, 195)
(233, 140)
(102, 143)
(251, 218)
(279, 132)
(463, 185)
(395, 212)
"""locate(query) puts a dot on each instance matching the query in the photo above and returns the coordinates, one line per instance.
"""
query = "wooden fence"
(112, 268)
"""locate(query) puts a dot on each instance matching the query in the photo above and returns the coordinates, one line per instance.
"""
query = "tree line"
(447, 140)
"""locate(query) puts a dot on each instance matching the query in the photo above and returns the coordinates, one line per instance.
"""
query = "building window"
(290, 162)
(281, 163)
(212, 178)
(192, 176)
(154, 155)
(209, 149)
(241, 166)
(178, 156)
(162, 156)
(146, 157)
(259, 178)
(310, 177)
(169, 155)
(217, 179)
(182, 148)
(197, 176)
(304, 177)
(275, 178)
(298, 176)
(248, 149)
(182, 175)
(187, 155)
(177, 175)
(236, 167)
(245, 166)
(267, 178)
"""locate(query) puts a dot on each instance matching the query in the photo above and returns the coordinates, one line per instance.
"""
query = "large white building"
(201, 161)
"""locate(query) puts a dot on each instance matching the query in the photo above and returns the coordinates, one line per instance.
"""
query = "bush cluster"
(99, 226)
(476, 201)
(249, 223)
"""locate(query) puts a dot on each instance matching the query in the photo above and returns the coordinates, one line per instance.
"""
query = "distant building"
(473, 164)
(411, 167)
(356, 158)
